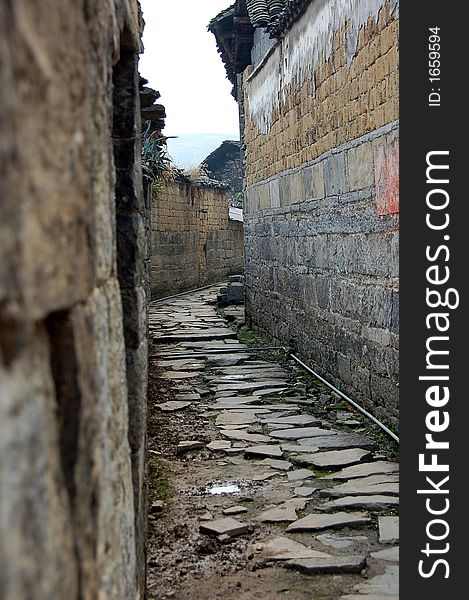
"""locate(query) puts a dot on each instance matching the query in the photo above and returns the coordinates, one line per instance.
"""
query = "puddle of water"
(223, 489)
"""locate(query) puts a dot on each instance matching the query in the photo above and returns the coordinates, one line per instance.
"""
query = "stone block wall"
(72, 302)
(321, 198)
(193, 241)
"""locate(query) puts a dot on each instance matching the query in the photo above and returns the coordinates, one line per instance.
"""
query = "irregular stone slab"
(281, 465)
(230, 418)
(179, 375)
(333, 564)
(265, 476)
(388, 530)
(253, 438)
(279, 515)
(332, 459)
(188, 445)
(243, 387)
(188, 397)
(283, 548)
(338, 541)
(375, 502)
(391, 554)
(301, 432)
(340, 441)
(172, 405)
(385, 585)
(316, 522)
(233, 404)
(186, 336)
(297, 448)
(370, 480)
(234, 427)
(227, 359)
(285, 512)
(272, 451)
(304, 491)
(269, 392)
(293, 420)
(228, 526)
(300, 474)
(219, 445)
(356, 487)
(371, 468)
(235, 510)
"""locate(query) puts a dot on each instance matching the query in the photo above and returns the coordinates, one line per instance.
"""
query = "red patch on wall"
(386, 161)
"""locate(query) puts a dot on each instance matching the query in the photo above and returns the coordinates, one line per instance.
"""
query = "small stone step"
(300, 432)
(281, 465)
(332, 459)
(293, 420)
(391, 554)
(356, 487)
(283, 548)
(284, 513)
(316, 522)
(235, 510)
(388, 530)
(300, 474)
(373, 502)
(371, 468)
(272, 451)
(228, 526)
(172, 406)
(333, 564)
(340, 441)
(187, 445)
(239, 435)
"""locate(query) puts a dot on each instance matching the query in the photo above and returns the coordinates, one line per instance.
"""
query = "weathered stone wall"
(193, 241)
(321, 207)
(72, 302)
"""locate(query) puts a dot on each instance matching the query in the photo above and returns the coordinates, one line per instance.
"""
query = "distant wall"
(193, 241)
(322, 206)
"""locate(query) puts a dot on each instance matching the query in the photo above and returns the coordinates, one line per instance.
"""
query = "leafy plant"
(155, 161)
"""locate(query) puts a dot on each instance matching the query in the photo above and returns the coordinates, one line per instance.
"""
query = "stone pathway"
(268, 477)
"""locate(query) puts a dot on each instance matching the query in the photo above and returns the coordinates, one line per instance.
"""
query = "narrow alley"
(262, 483)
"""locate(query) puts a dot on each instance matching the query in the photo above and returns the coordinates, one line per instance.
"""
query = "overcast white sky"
(181, 61)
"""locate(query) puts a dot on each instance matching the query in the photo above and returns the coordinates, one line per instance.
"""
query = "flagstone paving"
(246, 433)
